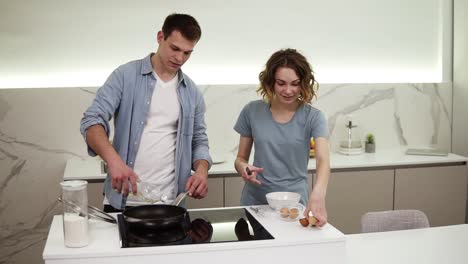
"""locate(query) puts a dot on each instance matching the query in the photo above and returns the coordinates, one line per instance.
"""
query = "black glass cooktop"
(207, 226)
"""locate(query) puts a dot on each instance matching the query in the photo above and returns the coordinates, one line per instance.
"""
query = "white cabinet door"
(233, 185)
(214, 198)
(95, 194)
(440, 192)
(353, 193)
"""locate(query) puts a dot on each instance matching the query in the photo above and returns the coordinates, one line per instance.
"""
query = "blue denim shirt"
(126, 97)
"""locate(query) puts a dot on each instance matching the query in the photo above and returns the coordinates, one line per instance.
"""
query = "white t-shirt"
(155, 159)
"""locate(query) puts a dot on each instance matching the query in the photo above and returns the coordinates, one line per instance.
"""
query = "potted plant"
(370, 143)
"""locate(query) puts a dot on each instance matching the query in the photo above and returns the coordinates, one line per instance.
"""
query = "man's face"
(175, 50)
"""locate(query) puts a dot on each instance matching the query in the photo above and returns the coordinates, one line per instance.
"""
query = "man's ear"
(160, 37)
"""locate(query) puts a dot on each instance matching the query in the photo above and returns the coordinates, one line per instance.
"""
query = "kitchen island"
(433, 245)
(291, 244)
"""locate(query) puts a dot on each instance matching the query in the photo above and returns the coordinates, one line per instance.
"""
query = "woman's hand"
(316, 205)
(249, 173)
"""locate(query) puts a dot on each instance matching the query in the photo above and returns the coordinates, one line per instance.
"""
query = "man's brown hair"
(185, 24)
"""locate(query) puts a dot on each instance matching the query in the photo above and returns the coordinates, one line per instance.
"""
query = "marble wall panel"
(399, 115)
(38, 134)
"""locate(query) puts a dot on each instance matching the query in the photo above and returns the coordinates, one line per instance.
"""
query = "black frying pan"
(157, 218)
(149, 221)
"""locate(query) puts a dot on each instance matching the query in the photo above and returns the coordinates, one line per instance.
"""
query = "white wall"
(54, 43)
(460, 79)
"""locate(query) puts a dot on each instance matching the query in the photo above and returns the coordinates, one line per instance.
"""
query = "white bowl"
(277, 200)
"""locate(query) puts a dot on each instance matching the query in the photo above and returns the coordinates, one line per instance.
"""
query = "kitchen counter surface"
(326, 244)
(435, 245)
(383, 158)
(446, 244)
(92, 170)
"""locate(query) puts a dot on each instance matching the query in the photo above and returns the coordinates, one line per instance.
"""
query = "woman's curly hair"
(289, 58)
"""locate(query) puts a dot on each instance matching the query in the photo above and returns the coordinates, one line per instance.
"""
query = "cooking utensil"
(92, 211)
(179, 198)
(156, 218)
(257, 210)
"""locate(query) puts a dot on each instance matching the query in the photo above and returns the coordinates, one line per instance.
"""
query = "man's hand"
(122, 175)
(197, 184)
(122, 178)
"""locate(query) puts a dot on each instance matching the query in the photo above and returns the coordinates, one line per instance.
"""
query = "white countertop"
(435, 245)
(84, 169)
(382, 158)
(91, 169)
(105, 245)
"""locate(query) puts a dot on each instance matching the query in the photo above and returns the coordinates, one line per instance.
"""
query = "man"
(160, 131)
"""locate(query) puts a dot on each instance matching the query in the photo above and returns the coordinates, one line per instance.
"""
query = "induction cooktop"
(207, 226)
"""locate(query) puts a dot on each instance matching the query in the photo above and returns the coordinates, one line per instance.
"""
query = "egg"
(312, 220)
(284, 212)
(304, 222)
(293, 213)
(294, 210)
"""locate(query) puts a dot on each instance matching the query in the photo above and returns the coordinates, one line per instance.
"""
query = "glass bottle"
(75, 213)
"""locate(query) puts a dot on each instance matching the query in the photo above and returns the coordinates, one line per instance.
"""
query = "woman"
(281, 126)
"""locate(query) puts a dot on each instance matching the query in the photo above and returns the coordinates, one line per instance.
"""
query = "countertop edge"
(91, 169)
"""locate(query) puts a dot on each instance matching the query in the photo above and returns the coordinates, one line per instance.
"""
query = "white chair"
(393, 220)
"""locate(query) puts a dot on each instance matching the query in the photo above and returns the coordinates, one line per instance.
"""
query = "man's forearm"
(201, 166)
(97, 140)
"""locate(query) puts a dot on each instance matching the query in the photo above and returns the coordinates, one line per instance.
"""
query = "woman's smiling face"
(287, 86)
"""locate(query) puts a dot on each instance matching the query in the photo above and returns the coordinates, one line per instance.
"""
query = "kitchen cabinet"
(233, 185)
(440, 192)
(215, 195)
(351, 194)
(95, 194)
